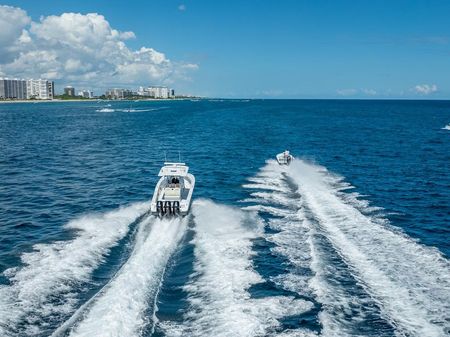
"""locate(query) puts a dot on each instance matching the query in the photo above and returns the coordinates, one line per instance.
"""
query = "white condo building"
(86, 94)
(40, 89)
(156, 92)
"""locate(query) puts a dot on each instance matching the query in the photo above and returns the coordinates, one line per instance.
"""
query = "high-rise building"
(51, 89)
(86, 93)
(117, 93)
(13, 88)
(69, 91)
(156, 92)
(40, 89)
(26, 89)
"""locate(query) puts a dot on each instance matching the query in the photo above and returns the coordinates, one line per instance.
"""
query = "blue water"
(351, 240)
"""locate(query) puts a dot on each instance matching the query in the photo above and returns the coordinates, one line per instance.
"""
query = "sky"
(234, 49)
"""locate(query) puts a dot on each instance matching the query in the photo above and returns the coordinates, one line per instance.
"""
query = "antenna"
(179, 157)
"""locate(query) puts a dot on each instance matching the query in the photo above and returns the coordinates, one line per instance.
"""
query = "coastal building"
(51, 89)
(13, 88)
(156, 92)
(86, 94)
(26, 89)
(118, 93)
(40, 89)
(142, 91)
(69, 91)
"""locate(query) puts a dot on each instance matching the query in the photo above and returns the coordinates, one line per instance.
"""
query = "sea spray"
(411, 282)
(57, 269)
(218, 292)
(313, 271)
(120, 309)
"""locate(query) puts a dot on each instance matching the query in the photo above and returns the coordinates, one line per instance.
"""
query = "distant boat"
(284, 158)
(173, 192)
(129, 110)
(447, 127)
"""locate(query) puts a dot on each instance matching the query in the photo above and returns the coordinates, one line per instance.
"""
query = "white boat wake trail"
(44, 288)
(220, 303)
(407, 281)
(120, 308)
(314, 271)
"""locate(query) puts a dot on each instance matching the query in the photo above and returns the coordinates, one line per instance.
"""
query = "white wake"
(220, 303)
(45, 286)
(296, 240)
(120, 309)
(410, 282)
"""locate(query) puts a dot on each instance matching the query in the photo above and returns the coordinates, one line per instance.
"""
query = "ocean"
(351, 239)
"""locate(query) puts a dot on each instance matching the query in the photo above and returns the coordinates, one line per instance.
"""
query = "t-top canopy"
(173, 169)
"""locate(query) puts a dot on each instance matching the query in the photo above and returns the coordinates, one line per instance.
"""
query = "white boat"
(173, 193)
(284, 158)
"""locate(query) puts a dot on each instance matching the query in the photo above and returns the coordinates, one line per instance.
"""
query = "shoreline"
(224, 99)
(92, 100)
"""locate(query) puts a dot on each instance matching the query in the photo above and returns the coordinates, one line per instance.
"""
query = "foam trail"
(313, 272)
(347, 310)
(268, 209)
(44, 288)
(273, 198)
(220, 304)
(120, 309)
(411, 282)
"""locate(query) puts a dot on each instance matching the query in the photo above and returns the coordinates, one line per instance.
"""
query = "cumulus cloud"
(355, 92)
(83, 49)
(12, 34)
(369, 92)
(347, 92)
(425, 89)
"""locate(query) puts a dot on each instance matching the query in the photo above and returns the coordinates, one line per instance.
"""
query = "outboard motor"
(176, 207)
(167, 207)
(160, 208)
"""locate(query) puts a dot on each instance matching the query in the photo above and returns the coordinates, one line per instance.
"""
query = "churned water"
(351, 239)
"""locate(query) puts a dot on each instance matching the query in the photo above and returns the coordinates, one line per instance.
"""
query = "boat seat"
(172, 193)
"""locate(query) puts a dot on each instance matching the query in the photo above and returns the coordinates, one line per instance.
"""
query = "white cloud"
(182, 7)
(425, 89)
(369, 92)
(12, 22)
(82, 49)
(355, 92)
(347, 92)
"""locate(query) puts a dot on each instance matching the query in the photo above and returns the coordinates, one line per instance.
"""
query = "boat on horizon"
(173, 192)
(284, 158)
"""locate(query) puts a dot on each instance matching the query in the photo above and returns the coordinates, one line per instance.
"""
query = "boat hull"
(284, 160)
(178, 205)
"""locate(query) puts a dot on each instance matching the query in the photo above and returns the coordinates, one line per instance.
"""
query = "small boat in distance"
(284, 158)
(173, 193)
